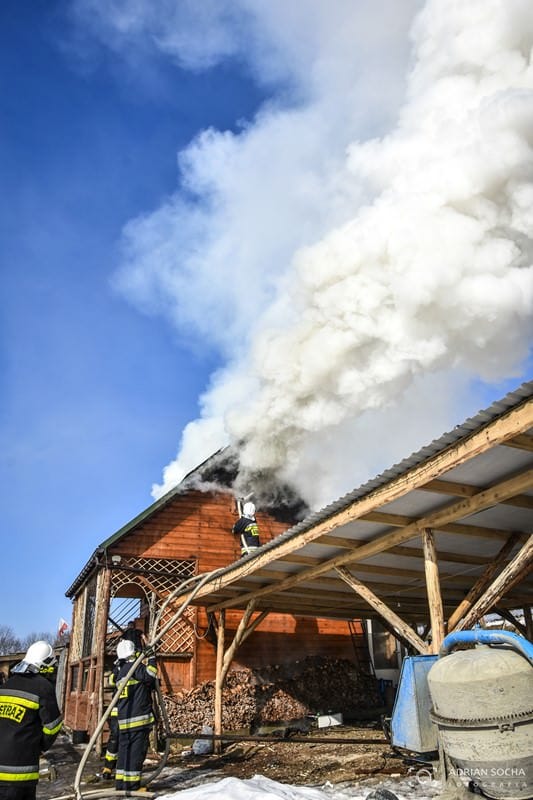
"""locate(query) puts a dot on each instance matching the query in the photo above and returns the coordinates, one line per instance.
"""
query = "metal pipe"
(234, 737)
(483, 636)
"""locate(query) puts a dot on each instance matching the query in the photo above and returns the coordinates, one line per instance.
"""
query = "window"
(74, 677)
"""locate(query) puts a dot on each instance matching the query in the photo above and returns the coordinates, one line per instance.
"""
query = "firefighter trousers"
(18, 790)
(132, 749)
(111, 753)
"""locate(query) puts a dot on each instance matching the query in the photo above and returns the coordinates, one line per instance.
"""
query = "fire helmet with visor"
(40, 657)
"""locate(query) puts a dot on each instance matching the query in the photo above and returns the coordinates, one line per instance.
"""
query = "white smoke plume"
(362, 250)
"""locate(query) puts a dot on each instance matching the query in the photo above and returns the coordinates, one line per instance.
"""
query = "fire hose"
(154, 638)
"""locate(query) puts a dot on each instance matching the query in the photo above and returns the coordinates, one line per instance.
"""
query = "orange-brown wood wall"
(197, 525)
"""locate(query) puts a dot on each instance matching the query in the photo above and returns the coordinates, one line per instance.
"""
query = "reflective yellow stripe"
(15, 698)
(55, 729)
(126, 725)
(151, 669)
(21, 776)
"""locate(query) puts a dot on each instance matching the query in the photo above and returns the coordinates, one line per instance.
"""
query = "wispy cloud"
(359, 246)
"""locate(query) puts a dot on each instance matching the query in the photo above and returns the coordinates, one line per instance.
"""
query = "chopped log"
(281, 693)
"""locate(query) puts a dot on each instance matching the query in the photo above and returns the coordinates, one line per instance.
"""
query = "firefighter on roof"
(246, 528)
(29, 722)
(135, 714)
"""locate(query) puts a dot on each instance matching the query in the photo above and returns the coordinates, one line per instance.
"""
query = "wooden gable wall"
(196, 526)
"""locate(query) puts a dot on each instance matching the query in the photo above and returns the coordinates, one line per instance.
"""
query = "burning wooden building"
(131, 574)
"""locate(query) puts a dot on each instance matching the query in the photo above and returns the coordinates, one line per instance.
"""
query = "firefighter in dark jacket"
(246, 528)
(30, 720)
(135, 714)
(111, 753)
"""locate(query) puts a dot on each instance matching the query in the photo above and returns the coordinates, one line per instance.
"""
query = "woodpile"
(316, 685)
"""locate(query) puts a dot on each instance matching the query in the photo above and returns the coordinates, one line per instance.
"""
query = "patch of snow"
(261, 788)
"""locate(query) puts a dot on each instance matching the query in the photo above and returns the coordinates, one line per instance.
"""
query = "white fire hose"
(154, 639)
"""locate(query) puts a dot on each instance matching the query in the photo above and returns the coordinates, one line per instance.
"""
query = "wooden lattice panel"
(180, 637)
(158, 577)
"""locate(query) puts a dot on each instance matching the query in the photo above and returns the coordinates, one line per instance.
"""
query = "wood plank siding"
(193, 527)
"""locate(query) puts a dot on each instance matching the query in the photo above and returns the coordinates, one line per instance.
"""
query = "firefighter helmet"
(249, 510)
(125, 649)
(39, 655)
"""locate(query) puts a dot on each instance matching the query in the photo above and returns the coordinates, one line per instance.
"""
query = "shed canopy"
(451, 524)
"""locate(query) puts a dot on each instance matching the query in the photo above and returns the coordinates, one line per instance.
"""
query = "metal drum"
(483, 708)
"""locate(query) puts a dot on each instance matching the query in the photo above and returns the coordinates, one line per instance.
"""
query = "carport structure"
(430, 546)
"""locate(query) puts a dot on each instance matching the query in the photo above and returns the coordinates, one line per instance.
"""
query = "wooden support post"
(528, 619)
(219, 681)
(436, 613)
(383, 610)
(224, 659)
(237, 639)
(483, 582)
(100, 640)
(515, 570)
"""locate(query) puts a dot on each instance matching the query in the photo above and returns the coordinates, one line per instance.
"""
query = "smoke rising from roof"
(362, 250)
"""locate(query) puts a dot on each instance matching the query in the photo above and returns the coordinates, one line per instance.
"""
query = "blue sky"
(272, 223)
(94, 393)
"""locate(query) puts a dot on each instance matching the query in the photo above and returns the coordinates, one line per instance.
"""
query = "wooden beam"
(436, 614)
(230, 652)
(510, 424)
(326, 588)
(522, 442)
(470, 505)
(254, 624)
(374, 569)
(515, 570)
(444, 555)
(482, 582)
(399, 521)
(219, 681)
(383, 610)
(467, 490)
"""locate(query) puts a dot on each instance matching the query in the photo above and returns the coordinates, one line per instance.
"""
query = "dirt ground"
(310, 763)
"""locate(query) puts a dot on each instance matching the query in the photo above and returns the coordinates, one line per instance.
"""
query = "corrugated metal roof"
(271, 564)
(479, 420)
(297, 570)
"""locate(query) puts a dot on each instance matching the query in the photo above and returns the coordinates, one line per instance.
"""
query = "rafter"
(383, 609)
(521, 565)
(507, 488)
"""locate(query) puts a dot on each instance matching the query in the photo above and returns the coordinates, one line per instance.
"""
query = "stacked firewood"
(316, 685)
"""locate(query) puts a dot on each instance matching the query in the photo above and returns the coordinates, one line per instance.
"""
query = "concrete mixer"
(475, 705)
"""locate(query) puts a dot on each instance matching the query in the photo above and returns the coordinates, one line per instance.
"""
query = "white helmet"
(248, 510)
(39, 656)
(125, 649)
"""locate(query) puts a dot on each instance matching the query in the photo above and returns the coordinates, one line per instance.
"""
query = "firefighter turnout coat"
(248, 531)
(135, 702)
(29, 723)
(135, 718)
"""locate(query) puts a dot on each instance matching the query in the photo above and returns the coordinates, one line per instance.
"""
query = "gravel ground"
(307, 764)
